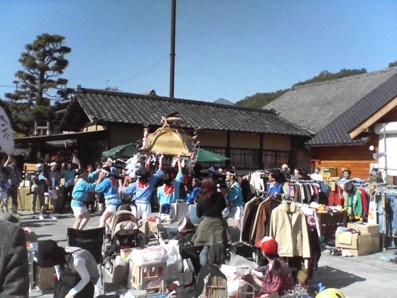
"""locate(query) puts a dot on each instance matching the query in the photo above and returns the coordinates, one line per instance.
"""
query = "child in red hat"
(277, 278)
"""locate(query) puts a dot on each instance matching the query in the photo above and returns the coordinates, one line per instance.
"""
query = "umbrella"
(121, 151)
(205, 155)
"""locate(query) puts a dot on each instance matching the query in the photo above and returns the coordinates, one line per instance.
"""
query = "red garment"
(169, 189)
(142, 185)
(364, 201)
(315, 189)
(276, 284)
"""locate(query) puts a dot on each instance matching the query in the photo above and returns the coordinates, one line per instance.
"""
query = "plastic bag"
(174, 261)
(193, 215)
(150, 255)
(239, 261)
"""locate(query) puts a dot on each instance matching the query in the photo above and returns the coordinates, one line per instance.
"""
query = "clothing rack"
(306, 181)
(384, 189)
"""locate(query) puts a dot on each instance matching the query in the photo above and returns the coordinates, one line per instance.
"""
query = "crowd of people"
(217, 196)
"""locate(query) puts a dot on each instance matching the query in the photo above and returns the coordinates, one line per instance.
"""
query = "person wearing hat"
(276, 277)
(141, 190)
(353, 201)
(108, 183)
(74, 260)
(80, 196)
(14, 266)
(234, 197)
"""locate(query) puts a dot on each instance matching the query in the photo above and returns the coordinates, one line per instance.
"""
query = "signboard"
(379, 155)
(6, 136)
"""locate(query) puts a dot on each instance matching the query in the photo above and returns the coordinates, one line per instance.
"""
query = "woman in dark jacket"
(213, 227)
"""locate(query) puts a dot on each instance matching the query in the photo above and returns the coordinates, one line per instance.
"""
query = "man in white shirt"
(317, 176)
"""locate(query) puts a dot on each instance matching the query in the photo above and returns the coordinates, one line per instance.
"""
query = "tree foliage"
(392, 64)
(40, 89)
(259, 100)
(327, 76)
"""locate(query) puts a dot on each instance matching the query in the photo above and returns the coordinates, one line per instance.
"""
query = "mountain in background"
(223, 101)
(259, 100)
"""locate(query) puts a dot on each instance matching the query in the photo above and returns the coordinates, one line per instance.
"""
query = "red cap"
(268, 245)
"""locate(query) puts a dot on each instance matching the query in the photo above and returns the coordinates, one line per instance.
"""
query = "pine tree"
(39, 86)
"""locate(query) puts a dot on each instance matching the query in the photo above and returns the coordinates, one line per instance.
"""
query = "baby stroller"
(125, 234)
(125, 231)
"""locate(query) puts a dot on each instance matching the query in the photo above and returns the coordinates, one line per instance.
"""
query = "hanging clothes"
(364, 199)
(249, 213)
(260, 227)
(256, 181)
(307, 192)
(288, 226)
(354, 205)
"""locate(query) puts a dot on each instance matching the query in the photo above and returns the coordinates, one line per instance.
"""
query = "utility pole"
(385, 151)
(172, 54)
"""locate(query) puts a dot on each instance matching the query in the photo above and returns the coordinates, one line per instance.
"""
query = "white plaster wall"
(391, 146)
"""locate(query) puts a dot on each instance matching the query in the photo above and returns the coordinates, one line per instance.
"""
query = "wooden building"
(342, 115)
(252, 138)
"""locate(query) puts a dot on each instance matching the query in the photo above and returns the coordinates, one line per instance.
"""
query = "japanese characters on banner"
(6, 136)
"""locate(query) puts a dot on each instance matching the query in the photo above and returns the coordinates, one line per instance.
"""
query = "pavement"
(357, 277)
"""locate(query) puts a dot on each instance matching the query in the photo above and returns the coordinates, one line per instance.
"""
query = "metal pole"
(385, 151)
(384, 202)
(172, 54)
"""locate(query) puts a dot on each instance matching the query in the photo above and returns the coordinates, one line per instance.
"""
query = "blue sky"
(224, 48)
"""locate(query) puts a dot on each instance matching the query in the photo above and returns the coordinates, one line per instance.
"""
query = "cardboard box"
(375, 243)
(329, 172)
(357, 252)
(364, 228)
(359, 245)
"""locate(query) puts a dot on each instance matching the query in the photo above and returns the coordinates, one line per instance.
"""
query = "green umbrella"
(205, 155)
(121, 151)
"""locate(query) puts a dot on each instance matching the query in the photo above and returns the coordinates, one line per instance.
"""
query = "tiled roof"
(333, 108)
(128, 108)
(337, 132)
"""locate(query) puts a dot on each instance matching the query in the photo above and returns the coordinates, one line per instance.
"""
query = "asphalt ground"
(357, 277)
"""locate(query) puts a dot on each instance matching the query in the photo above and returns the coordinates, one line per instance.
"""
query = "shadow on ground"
(334, 278)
